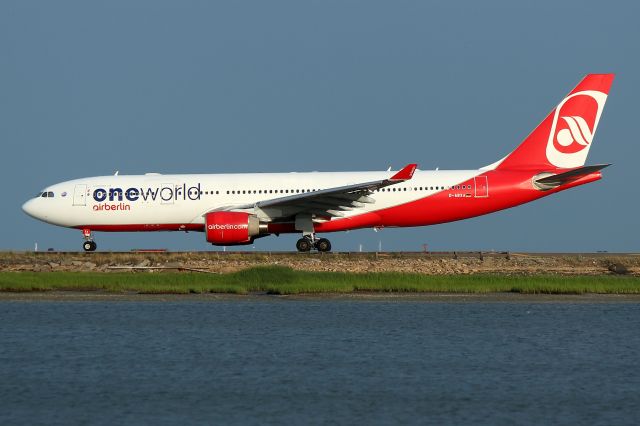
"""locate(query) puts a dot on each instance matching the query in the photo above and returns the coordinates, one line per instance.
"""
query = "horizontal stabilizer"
(566, 177)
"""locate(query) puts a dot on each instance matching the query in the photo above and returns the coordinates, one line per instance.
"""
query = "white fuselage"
(186, 198)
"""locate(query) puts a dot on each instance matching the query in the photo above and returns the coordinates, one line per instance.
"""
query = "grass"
(284, 280)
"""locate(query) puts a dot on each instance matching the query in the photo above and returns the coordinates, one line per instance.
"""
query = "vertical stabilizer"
(563, 139)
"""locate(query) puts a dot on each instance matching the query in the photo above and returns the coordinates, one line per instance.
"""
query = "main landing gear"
(308, 242)
(89, 244)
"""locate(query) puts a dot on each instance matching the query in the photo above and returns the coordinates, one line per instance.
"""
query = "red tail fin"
(563, 139)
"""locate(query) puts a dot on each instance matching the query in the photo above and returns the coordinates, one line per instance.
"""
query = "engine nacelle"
(232, 228)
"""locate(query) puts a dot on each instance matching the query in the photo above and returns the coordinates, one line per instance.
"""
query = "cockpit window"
(47, 194)
(50, 194)
(39, 194)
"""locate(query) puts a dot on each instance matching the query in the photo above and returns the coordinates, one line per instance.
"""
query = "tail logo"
(576, 136)
(573, 127)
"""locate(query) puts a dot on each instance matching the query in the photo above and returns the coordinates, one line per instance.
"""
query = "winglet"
(405, 174)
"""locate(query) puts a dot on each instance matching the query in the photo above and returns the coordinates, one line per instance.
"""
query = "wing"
(327, 202)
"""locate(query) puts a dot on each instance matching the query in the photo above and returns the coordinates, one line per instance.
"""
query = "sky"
(88, 88)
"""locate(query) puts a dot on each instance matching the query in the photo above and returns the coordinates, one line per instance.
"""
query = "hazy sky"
(87, 88)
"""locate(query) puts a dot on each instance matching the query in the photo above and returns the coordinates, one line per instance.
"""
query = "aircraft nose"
(30, 208)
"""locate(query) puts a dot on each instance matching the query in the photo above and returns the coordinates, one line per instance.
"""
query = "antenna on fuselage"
(116, 173)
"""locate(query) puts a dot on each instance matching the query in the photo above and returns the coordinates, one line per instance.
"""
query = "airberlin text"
(165, 194)
(111, 207)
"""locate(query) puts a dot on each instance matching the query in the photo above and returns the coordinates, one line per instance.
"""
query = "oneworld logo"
(166, 193)
(574, 124)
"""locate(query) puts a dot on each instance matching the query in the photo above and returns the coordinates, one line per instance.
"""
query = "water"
(257, 361)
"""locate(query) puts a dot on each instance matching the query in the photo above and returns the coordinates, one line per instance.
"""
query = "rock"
(89, 265)
(53, 264)
(76, 263)
(618, 268)
(145, 262)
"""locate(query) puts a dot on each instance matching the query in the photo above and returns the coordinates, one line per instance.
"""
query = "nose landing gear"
(89, 244)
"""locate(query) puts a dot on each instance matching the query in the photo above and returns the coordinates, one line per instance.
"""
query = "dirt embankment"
(423, 263)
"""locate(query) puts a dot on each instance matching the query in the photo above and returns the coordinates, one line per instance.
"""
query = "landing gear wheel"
(303, 245)
(89, 246)
(323, 245)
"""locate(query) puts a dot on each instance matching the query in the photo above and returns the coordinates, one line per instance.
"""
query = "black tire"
(323, 245)
(303, 245)
(89, 246)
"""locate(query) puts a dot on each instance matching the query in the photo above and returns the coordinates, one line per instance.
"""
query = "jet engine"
(233, 228)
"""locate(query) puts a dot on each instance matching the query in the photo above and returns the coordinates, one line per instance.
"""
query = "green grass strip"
(284, 280)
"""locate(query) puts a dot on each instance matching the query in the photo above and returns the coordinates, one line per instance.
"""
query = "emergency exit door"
(481, 184)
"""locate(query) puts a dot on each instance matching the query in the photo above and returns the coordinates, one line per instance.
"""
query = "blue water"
(315, 362)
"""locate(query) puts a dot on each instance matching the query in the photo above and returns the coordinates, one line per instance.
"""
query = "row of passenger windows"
(50, 194)
(299, 191)
(271, 191)
(425, 188)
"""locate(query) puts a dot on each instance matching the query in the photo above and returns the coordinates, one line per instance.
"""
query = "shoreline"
(99, 296)
(284, 280)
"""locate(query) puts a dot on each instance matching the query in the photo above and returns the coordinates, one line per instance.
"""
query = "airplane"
(237, 209)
